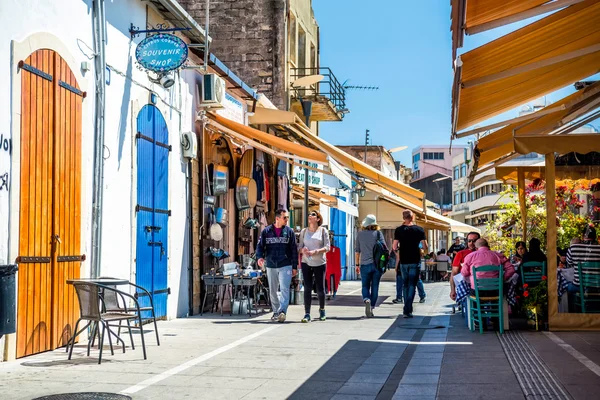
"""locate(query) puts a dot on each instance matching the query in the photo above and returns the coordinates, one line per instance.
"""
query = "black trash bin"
(8, 309)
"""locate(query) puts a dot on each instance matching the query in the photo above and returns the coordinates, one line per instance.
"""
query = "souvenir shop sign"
(315, 179)
(161, 53)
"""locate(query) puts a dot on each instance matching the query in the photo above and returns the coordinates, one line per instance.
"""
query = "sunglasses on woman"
(312, 214)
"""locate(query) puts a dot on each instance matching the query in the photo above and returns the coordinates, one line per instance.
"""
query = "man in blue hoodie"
(277, 251)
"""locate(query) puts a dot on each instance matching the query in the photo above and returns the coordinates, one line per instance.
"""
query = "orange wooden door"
(49, 212)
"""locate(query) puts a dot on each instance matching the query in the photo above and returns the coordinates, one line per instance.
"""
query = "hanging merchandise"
(221, 216)
(245, 193)
(282, 192)
(259, 177)
(215, 231)
(220, 181)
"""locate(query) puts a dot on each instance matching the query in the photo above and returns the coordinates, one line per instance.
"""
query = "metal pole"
(97, 191)
(305, 210)
(366, 144)
(206, 44)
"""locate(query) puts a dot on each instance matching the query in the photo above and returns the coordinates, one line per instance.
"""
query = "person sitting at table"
(561, 257)
(521, 250)
(458, 260)
(586, 251)
(535, 253)
(456, 247)
(483, 256)
(441, 257)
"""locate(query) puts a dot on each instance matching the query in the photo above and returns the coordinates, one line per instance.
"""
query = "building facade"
(381, 159)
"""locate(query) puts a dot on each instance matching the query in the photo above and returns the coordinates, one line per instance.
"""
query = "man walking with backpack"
(372, 257)
(407, 238)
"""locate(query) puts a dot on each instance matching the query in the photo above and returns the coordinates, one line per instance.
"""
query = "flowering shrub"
(506, 229)
(536, 296)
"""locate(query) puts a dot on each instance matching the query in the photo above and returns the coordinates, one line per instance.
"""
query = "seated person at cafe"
(456, 247)
(586, 251)
(483, 256)
(441, 257)
(535, 253)
(521, 250)
(458, 260)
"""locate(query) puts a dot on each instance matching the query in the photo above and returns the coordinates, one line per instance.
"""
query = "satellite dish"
(395, 149)
(307, 80)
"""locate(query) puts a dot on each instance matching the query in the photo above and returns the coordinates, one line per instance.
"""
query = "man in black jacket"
(278, 252)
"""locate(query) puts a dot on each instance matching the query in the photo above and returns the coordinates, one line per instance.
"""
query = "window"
(426, 156)
(463, 197)
(313, 56)
(416, 175)
(416, 157)
(463, 170)
(292, 38)
(456, 198)
(440, 156)
(302, 49)
(456, 173)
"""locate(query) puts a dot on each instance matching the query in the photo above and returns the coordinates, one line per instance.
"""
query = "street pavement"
(346, 357)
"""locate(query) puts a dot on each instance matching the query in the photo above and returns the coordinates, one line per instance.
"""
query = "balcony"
(328, 96)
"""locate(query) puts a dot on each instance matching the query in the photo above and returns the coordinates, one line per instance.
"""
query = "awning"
(538, 59)
(475, 16)
(325, 199)
(413, 196)
(520, 137)
(587, 174)
(455, 226)
(428, 219)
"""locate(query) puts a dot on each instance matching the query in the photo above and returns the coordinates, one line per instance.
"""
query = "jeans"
(400, 287)
(280, 278)
(370, 277)
(410, 276)
(316, 276)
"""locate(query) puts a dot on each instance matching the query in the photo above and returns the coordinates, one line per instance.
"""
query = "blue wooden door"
(338, 226)
(152, 209)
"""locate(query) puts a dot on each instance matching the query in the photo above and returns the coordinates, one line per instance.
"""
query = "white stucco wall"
(68, 24)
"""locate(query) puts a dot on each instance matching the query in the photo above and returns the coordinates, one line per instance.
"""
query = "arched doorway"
(50, 202)
(152, 209)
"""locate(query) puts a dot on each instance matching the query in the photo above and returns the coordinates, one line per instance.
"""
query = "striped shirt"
(581, 253)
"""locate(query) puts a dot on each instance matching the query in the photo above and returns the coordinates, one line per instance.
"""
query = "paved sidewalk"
(347, 357)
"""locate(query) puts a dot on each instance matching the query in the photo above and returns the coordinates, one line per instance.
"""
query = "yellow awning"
(538, 59)
(505, 141)
(314, 195)
(429, 218)
(480, 12)
(411, 195)
(584, 174)
(286, 148)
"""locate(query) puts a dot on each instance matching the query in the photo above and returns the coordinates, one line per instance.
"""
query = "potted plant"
(535, 303)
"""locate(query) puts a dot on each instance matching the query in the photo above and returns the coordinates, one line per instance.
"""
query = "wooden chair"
(589, 285)
(487, 306)
(532, 272)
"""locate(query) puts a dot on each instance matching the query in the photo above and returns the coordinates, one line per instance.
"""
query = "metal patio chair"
(88, 294)
(532, 272)
(589, 286)
(112, 304)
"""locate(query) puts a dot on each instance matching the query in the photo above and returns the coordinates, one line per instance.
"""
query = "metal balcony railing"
(329, 87)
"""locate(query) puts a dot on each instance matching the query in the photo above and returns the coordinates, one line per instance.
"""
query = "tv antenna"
(358, 87)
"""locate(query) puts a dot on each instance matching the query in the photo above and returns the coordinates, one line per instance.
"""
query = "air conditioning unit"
(189, 144)
(213, 91)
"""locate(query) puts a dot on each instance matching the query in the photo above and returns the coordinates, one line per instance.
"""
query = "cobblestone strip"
(535, 378)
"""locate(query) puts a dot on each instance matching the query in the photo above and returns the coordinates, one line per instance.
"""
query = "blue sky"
(404, 47)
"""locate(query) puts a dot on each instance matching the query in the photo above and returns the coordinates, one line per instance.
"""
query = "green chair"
(532, 272)
(589, 285)
(487, 306)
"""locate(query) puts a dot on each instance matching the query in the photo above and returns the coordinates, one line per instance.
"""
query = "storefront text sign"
(233, 109)
(315, 179)
(161, 53)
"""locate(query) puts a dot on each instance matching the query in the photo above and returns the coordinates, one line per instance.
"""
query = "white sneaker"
(368, 310)
(281, 318)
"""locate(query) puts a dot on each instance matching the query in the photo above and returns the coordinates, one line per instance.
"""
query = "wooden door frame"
(20, 51)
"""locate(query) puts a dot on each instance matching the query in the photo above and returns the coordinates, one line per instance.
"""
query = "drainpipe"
(99, 24)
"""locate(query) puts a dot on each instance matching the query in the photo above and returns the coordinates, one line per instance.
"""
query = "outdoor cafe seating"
(103, 307)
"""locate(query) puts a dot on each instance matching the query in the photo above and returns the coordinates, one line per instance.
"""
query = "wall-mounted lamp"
(362, 192)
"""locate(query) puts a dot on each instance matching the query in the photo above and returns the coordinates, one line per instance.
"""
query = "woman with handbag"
(314, 244)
